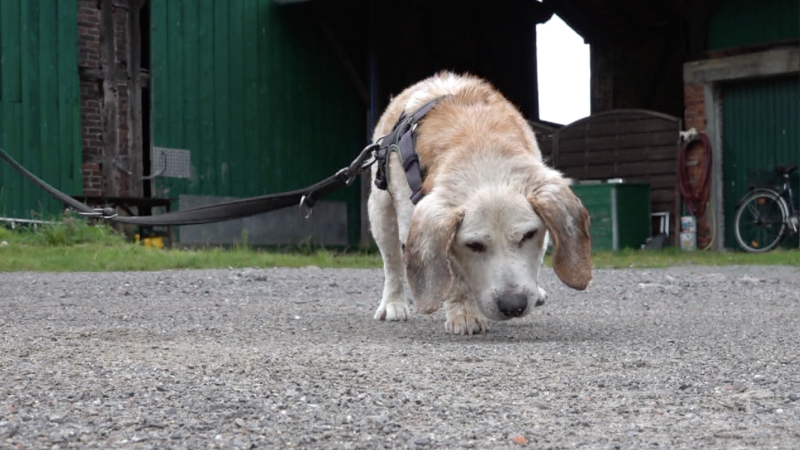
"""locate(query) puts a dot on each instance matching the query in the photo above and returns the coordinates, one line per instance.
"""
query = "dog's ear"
(428, 253)
(568, 222)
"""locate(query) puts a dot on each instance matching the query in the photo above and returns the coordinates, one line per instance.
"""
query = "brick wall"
(91, 96)
(695, 112)
(92, 100)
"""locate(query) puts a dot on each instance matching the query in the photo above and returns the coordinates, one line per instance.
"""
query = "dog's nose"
(512, 305)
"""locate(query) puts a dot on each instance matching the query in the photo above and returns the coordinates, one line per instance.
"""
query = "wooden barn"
(187, 103)
(154, 104)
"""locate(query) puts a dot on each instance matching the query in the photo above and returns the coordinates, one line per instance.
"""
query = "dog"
(476, 240)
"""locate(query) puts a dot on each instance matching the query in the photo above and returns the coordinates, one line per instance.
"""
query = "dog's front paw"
(464, 317)
(465, 324)
(393, 311)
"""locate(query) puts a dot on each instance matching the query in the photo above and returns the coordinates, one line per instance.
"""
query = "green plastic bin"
(620, 214)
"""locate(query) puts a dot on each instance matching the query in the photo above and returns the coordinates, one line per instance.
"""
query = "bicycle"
(767, 214)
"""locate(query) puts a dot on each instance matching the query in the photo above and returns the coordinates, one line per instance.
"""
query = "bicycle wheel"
(760, 221)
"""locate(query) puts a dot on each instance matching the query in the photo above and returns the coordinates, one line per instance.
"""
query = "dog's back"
(473, 110)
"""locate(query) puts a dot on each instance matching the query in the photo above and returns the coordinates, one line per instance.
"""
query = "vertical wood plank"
(9, 189)
(12, 139)
(208, 173)
(10, 29)
(1, 48)
(30, 103)
(68, 97)
(135, 129)
(237, 159)
(251, 89)
(51, 149)
(222, 94)
(191, 85)
(108, 110)
(176, 89)
(279, 66)
(267, 131)
(5, 172)
(159, 83)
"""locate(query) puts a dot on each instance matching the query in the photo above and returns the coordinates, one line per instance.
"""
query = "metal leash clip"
(305, 210)
(362, 162)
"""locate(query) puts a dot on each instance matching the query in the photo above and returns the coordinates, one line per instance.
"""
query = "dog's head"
(492, 246)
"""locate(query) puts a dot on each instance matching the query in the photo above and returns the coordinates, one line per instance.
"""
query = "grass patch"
(675, 257)
(72, 244)
(95, 257)
(69, 230)
(132, 257)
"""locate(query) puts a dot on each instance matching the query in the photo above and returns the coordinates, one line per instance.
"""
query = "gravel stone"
(690, 357)
(421, 441)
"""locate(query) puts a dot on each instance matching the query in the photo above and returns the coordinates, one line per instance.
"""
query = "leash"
(306, 198)
(401, 140)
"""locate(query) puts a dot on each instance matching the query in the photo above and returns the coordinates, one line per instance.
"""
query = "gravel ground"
(277, 358)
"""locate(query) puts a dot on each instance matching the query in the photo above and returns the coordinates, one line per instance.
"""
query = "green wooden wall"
(760, 130)
(742, 22)
(255, 92)
(39, 103)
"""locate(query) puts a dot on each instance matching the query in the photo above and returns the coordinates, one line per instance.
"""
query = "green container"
(620, 214)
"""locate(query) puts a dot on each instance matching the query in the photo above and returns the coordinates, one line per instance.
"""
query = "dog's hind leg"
(383, 221)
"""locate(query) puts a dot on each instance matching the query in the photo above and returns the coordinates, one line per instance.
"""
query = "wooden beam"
(753, 48)
(144, 78)
(135, 126)
(341, 55)
(779, 61)
(90, 74)
(575, 18)
(108, 109)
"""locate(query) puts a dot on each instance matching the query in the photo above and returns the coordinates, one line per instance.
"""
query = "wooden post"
(108, 110)
(135, 128)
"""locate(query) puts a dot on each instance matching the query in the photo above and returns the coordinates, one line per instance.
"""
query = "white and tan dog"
(477, 239)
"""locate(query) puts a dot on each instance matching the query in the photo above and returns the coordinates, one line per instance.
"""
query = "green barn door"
(255, 93)
(39, 104)
(761, 126)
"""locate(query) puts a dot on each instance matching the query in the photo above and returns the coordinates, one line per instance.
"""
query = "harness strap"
(402, 140)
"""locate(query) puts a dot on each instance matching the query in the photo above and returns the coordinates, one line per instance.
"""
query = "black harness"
(402, 140)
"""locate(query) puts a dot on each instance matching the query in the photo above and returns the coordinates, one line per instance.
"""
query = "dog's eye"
(528, 235)
(476, 247)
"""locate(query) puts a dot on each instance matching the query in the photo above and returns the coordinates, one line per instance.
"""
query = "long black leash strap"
(402, 140)
(305, 198)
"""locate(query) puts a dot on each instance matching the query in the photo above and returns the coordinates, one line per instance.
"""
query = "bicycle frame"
(792, 221)
(787, 191)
